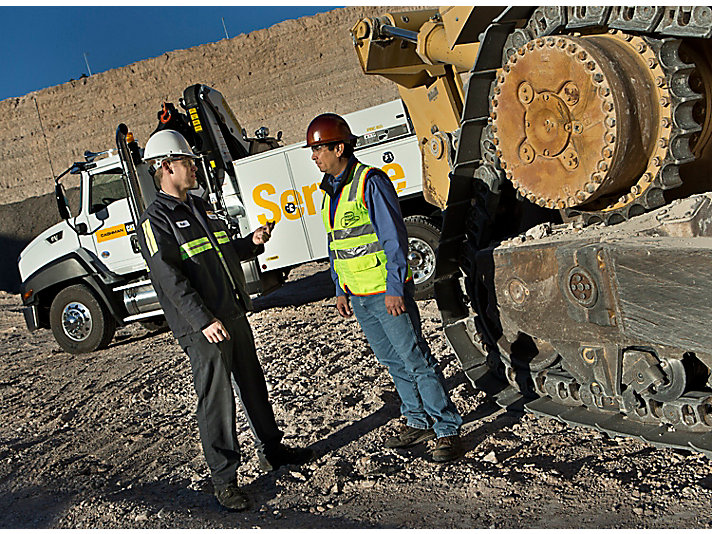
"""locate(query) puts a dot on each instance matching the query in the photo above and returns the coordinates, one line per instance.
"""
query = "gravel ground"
(109, 440)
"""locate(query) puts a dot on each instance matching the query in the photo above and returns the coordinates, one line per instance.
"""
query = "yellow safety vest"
(359, 259)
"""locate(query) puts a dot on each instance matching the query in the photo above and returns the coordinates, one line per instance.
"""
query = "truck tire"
(79, 321)
(423, 237)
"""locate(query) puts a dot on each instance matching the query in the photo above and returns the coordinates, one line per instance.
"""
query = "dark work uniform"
(195, 268)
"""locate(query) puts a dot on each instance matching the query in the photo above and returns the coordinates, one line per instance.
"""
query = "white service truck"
(85, 276)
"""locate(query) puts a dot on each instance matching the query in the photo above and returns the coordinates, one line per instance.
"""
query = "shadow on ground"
(35, 507)
(317, 286)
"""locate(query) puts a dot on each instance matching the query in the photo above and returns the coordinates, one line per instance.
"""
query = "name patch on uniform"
(211, 215)
(182, 224)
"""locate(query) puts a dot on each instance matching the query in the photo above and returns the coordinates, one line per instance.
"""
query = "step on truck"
(85, 276)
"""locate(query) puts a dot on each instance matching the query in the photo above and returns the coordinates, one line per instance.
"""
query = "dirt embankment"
(279, 77)
(109, 440)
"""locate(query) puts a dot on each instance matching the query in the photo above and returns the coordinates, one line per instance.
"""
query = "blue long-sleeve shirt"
(385, 214)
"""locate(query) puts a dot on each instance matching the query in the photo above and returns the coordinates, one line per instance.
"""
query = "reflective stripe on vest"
(355, 252)
(359, 260)
(221, 237)
(150, 238)
(196, 246)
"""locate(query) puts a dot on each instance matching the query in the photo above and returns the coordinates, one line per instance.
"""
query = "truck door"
(109, 221)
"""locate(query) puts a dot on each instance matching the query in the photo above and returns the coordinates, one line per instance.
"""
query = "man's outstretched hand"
(262, 234)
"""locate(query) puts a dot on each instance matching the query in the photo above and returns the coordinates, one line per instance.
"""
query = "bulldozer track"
(477, 182)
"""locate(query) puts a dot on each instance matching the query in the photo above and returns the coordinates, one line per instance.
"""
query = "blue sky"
(43, 46)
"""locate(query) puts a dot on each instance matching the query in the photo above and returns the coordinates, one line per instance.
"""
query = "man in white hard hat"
(195, 268)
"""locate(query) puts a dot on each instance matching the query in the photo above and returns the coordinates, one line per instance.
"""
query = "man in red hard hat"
(368, 248)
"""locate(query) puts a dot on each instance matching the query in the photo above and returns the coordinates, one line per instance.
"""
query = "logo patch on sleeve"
(182, 224)
(211, 215)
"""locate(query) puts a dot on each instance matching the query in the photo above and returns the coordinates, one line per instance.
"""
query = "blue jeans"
(398, 344)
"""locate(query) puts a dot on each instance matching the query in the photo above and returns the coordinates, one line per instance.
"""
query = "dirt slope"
(109, 440)
(279, 77)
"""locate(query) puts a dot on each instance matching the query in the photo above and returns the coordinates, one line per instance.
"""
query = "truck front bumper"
(31, 318)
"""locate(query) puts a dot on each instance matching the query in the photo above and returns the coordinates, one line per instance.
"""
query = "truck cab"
(72, 272)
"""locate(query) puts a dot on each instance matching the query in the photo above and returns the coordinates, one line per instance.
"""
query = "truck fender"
(62, 272)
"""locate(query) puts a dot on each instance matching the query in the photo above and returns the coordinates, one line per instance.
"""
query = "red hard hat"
(328, 128)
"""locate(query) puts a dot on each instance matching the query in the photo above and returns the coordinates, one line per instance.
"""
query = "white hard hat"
(166, 144)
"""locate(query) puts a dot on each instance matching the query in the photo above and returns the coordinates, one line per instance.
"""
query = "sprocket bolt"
(526, 153)
(525, 93)
(571, 94)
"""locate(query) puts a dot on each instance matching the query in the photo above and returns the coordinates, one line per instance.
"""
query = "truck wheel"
(423, 237)
(79, 321)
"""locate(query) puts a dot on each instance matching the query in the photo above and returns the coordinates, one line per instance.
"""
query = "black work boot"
(284, 455)
(232, 498)
(447, 449)
(409, 436)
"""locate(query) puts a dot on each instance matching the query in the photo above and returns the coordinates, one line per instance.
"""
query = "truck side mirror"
(62, 204)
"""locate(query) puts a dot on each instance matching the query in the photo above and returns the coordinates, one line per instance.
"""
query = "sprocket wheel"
(597, 125)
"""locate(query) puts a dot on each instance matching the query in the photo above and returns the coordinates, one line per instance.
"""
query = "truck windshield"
(106, 188)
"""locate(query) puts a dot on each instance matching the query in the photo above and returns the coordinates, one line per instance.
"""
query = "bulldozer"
(569, 149)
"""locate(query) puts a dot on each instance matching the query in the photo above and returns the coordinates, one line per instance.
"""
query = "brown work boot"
(409, 436)
(232, 498)
(447, 449)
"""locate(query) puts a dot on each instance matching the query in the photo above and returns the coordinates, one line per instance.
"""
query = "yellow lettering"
(396, 174)
(291, 202)
(308, 192)
(266, 204)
